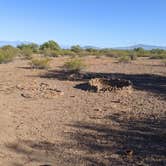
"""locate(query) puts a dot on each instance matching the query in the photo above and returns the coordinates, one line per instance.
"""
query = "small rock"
(25, 95)
(115, 156)
(129, 152)
(97, 109)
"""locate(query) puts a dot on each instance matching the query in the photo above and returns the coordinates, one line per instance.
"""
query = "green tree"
(76, 48)
(157, 51)
(139, 49)
(51, 45)
(33, 46)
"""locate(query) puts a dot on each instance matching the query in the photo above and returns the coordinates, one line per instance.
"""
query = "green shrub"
(158, 56)
(157, 51)
(4, 58)
(76, 48)
(133, 56)
(52, 45)
(40, 63)
(27, 53)
(51, 53)
(7, 54)
(75, 65)
(33, 46)
(68, 53)
(124, 59)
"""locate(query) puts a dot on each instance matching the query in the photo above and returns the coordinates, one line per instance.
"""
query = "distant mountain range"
(13, 43)
(146, 47)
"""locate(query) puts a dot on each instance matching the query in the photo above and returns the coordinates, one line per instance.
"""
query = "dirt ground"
(81, 128)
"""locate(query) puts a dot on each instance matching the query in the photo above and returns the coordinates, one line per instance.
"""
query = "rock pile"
(111, 84)
(38, 90)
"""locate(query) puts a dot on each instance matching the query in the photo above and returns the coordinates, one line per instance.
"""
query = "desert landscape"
(49, 117)
(82, 83)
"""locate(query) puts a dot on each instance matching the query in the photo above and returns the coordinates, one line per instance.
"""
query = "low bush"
(124, 59)
(5, 58)
(7, 54)
(33, 46)
(40, 63)
(51, 53)
(51, 44)
(75, 65)
(27, 53)
(158, 56)
(68, 53)
(133, 56)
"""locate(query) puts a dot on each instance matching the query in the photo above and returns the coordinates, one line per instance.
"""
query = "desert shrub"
(27, 53)
(57, 53)
(116, 53)
(68, 53)
(76, 48)
(133, 56)
(139, 49)
(11, 50)
(40, 63)
(52, 45)
(33, 46)
(75, 65)
(4, 58)
(124, 59)
(51, 53)
(157, 51)
(158, 56)
(7, 54)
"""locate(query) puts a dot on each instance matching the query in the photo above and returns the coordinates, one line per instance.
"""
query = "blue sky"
(103, 23)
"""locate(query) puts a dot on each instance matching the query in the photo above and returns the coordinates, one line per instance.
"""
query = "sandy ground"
(82, 128)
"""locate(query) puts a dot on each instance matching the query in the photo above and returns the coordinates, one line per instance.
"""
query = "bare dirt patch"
(81, 127)
(38, 90)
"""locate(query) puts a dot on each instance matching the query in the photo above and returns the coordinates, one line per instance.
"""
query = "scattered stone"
(25, 95)
(38, 90)
(97, 109)
(115, 156)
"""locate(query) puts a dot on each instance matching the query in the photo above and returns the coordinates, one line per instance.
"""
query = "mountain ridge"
(144, 46)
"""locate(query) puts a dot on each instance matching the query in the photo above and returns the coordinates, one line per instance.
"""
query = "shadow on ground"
(135, 142)
(146, 82)
(120, 141)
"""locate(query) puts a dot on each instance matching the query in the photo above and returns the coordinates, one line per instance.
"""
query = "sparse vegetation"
(75, 65)
(7, 53)
(51, 45)
(32, 46)
(51, 53)
(40, 63)
(133, 56)
(124, 59)
(52, 49)
(158, 56)
(76, 48)
(27, 53)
